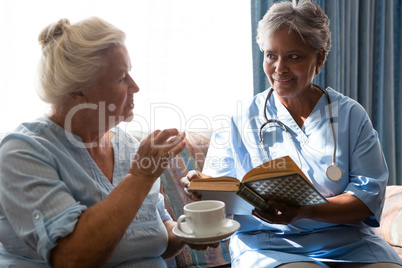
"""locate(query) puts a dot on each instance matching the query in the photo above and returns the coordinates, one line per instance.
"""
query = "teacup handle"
(179, 222)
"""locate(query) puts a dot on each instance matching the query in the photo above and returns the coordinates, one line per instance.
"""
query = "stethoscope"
(334, 172)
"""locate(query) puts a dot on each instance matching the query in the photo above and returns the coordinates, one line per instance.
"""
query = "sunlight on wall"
(191, 58)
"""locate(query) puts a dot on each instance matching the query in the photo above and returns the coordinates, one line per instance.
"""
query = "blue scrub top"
(235, 149)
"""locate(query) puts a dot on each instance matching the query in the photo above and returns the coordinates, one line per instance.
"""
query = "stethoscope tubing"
(333, 168)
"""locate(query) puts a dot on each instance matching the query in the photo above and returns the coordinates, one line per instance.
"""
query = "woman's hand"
(283, 214)
(112, 216)
(156, 151)
(176, 244)
(341, 209)
(185, 183)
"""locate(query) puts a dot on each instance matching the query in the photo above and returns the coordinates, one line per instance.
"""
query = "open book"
(279, 179)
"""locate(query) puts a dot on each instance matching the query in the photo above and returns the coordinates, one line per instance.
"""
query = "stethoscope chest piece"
(334, 173)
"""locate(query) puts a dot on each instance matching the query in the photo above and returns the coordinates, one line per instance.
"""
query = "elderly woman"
(75, 190)
(333, 142)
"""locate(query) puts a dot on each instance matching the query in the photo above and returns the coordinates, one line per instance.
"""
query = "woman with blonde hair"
(75, 189)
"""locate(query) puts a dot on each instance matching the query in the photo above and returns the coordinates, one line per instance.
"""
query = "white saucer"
(229, 227)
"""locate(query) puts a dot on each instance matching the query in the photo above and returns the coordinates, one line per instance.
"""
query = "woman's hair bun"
(52, 32)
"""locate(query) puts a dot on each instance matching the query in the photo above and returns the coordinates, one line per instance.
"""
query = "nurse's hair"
(72, 55)
(305, 18)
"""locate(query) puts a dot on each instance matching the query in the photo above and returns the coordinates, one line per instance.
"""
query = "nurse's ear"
(320, 60)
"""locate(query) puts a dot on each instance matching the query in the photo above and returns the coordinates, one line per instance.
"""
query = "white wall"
(191, 58)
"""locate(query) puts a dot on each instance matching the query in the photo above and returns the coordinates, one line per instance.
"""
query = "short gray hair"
(305, 18)
(72, 55)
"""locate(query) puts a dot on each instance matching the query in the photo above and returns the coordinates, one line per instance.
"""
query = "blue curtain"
(364, 64)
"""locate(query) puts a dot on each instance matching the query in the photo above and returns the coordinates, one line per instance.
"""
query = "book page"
(214, 184)
(274, 168)
(203, 176)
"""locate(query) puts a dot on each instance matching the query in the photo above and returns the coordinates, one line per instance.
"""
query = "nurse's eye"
(293, 56)
(270, 56)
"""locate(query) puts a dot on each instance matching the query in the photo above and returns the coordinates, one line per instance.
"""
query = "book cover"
(279, 179)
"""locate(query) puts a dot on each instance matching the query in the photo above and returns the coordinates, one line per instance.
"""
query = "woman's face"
(289, 63)
(114, 89)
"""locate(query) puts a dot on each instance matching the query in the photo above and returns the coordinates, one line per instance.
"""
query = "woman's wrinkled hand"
(156, 151)
(185, 183)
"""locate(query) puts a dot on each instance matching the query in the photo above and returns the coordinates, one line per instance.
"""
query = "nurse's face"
(289, 63)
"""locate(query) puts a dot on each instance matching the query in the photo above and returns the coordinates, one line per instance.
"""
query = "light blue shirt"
(235, 149)
(48, 179)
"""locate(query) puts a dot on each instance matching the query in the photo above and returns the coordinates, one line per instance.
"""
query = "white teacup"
(203, 218)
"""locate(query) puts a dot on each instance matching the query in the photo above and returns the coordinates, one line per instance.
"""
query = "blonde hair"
(72, 55)
(305, 18)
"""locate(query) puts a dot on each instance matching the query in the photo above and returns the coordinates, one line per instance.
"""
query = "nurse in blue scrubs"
(329, 136)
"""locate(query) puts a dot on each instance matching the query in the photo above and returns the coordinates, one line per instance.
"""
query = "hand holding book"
(280, 180)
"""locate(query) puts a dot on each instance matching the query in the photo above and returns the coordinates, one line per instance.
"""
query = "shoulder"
(346, 108)
(259, 99)
(29, 132)
(350, 115)
(345, 102)
(31, 140)
(252, 109)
